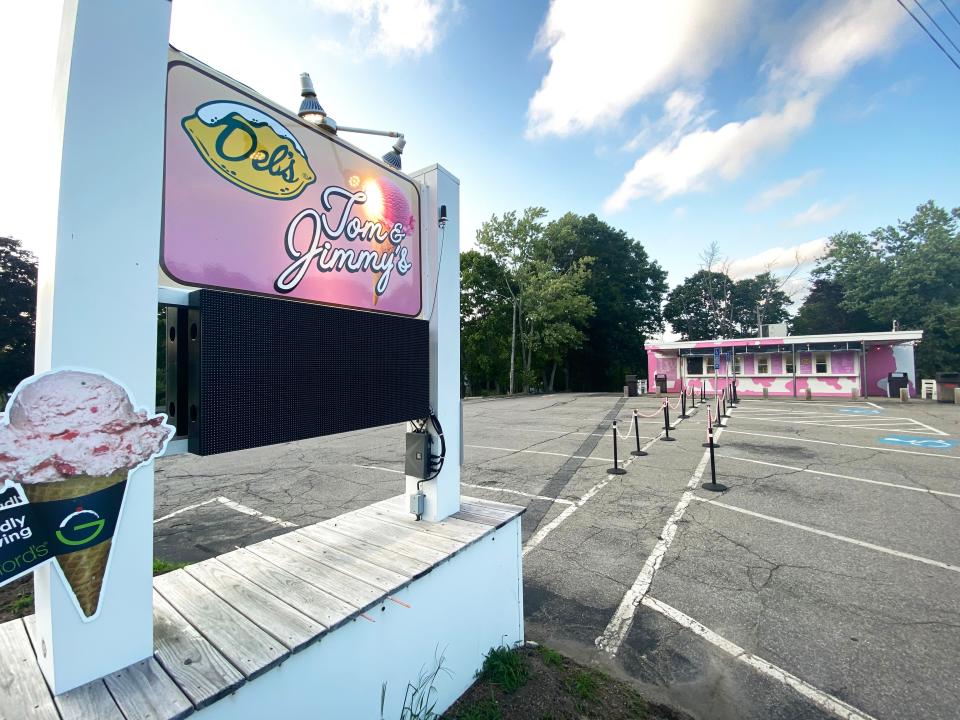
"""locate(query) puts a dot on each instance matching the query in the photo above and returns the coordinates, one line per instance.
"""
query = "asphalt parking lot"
(824, 582)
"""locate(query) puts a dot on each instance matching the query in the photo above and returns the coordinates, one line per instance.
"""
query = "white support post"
(97, 295)
(441, 304)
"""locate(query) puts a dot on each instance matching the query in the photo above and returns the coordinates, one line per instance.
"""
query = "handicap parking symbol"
(926, 443)
(859, 411)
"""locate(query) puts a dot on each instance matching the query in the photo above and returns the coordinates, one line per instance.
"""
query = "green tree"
(823, 312)
(485, 309)
(18, 308)
(700, 308)
(547, 301)
(626, 288)
(757, 301)
(905, 272)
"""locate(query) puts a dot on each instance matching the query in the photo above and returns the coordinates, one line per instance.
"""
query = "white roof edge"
(893, 337)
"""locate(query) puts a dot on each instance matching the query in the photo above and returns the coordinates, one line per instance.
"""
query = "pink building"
(829, 365)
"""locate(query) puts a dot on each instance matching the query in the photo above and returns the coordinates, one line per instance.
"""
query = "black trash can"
(631, 384)
(661, 380)
(896, 381)
(947, 382)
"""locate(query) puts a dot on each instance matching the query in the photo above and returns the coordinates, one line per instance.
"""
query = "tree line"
(579, 296)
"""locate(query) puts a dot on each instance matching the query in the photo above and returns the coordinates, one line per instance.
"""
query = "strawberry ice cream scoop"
(69, 423)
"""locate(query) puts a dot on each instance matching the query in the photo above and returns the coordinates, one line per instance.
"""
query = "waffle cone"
(83, 569)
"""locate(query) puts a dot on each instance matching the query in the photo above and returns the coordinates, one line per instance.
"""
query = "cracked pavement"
(877, 631)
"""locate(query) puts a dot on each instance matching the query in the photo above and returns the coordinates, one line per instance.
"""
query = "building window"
(820, 364)
(763, 364)
(788, 363)
(711, 368)
(694, 365)
(738, 364)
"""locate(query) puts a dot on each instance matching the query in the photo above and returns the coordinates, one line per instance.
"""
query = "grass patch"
(586, 686)
(481, 710)
(20, 605)
(505, 667)
(539, 683)
(164, 566)
(550, 657)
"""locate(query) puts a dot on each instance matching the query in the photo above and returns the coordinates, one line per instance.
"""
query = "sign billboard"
(257, 201)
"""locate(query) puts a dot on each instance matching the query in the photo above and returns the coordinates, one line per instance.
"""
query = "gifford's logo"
(80, 528)
(250, 149)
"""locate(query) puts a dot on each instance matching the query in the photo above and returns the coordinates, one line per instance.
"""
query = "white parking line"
(884, 426)
(833, 536)
(539, 452)
(873, 404)
(542, 533)
(862, 447)
(560, 433)
(562, 501)
(233, 505)
(806, 403)
(842, 477)
(818, 697)
(619, 625)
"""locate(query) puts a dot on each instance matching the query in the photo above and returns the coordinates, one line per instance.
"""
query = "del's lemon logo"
(80, 528)
(250, 149)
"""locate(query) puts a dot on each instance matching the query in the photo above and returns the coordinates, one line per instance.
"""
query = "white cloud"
(778, 258)
(818, 212)
(838, 37)
(781, 191)
(682, 112)
(393, 27)
(680, 166)
(607, 55)
(841, 36)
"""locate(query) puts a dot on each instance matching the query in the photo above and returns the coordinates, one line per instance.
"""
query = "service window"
(788, 363)
(738, 365)
(763, 364)
(711, 368)
(694, 365)
(821, 363)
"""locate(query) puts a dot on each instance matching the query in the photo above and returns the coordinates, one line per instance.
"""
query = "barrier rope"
(655, 412)
(675, 407)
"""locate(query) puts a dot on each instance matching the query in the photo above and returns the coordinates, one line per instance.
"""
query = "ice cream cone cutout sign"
(68, 440)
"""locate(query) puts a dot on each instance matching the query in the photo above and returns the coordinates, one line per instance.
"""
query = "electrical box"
(418, 454)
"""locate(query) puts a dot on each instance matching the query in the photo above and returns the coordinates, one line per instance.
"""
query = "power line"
(937, 25)
(930, 35)
(947, 8)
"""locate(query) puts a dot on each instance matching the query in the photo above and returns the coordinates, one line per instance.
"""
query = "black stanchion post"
(616, 469)
(666, 422)
(723, 401)
(693, 399)
(636, 431)
(683, 404)
(713, 485)
(735, 399)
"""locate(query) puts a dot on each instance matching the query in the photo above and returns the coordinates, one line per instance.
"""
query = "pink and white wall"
(846, 371)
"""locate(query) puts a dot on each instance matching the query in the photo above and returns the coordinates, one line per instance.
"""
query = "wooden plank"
(356, 592)
(143, 691)
(480, 507)
(452, 528)
(323, 607)
(92, 700)
(23, 691)
(407, 541)
(478, 519)
(372, 553)
(510, 508)
(247, 647)
(196, 666)
(394, 542)
(386, 580)
(288, 625)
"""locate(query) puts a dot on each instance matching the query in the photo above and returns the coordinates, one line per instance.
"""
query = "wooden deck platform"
(222, 622)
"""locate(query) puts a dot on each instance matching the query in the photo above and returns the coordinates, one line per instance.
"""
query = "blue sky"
(763, 126)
